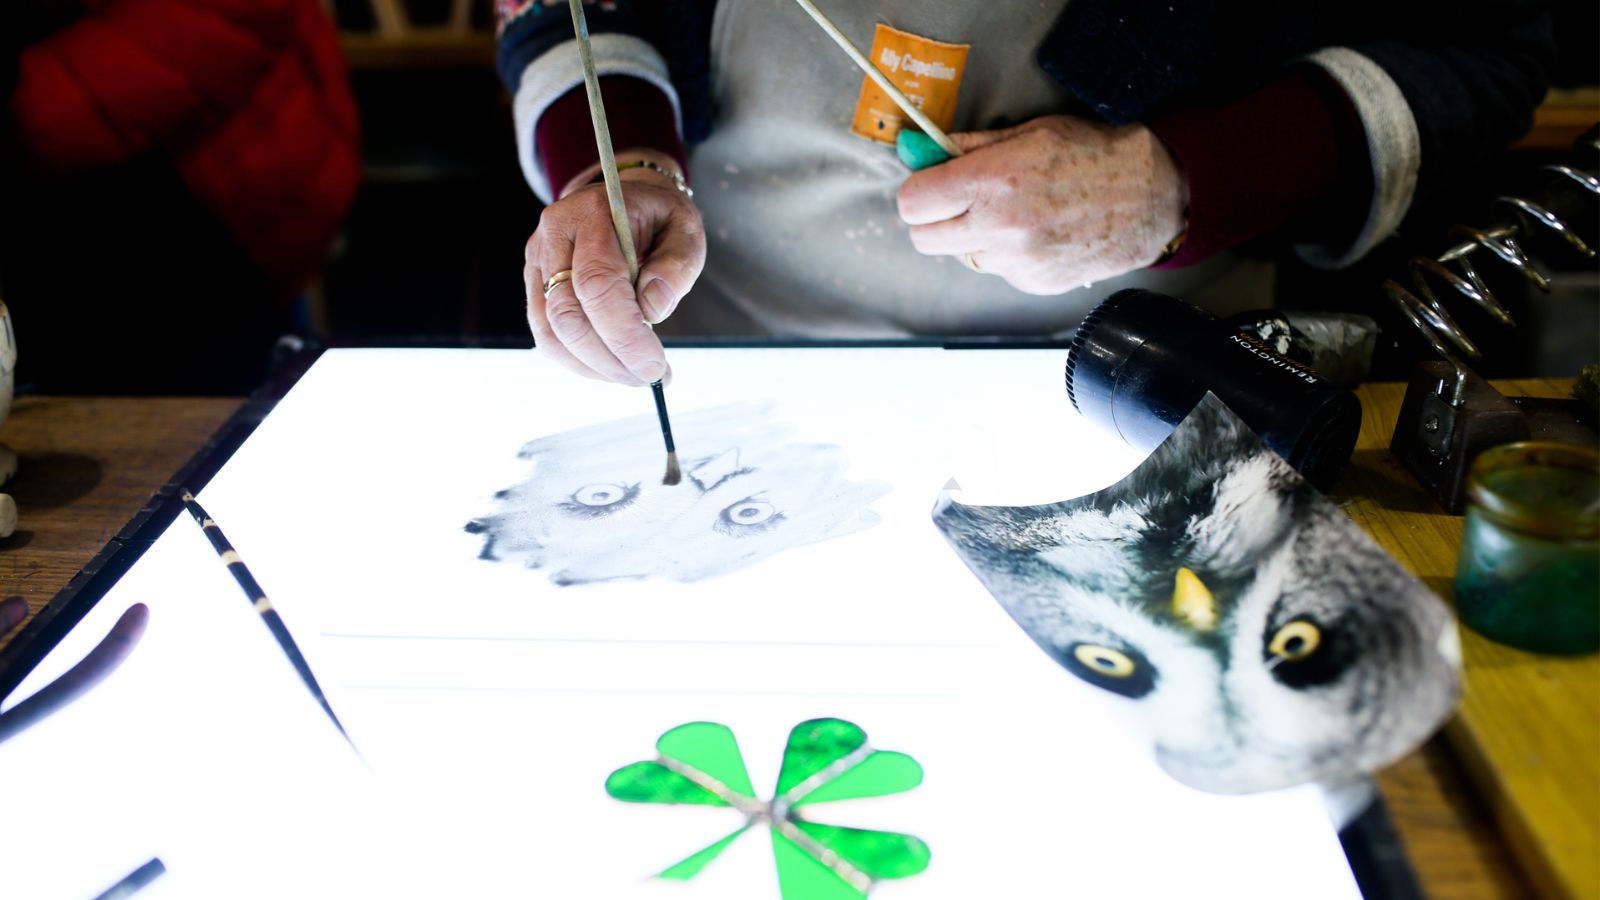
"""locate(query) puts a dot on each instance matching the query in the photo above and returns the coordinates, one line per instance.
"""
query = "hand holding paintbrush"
(584, 310)
(651, 370)
(590, 303)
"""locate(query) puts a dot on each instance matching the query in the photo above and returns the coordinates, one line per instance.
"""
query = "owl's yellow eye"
(1296, 640)
(1104, 660)
(1123, 672)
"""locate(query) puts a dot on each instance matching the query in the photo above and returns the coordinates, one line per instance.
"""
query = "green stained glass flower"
(825, 760)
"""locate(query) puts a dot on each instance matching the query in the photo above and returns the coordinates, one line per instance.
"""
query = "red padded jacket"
(247, 98)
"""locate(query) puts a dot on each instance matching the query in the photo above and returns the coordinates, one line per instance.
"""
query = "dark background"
(434, 243)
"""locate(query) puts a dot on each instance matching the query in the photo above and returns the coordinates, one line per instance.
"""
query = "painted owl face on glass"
(595, 509)
(1261, 638)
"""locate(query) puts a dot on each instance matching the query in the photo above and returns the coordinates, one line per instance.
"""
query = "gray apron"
(803, 235)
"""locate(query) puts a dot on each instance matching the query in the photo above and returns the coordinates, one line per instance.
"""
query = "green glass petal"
(815, 745)
(880, 854)
(802, 876)
(712, 749)
(884, 772)
(690, 867)
(651, 782)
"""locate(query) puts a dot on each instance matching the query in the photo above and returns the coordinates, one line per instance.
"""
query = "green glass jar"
(1529, 574)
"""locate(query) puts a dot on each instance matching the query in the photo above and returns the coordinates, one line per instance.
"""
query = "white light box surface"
(490, 704)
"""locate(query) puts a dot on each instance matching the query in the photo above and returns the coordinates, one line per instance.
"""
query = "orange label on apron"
(927, 71)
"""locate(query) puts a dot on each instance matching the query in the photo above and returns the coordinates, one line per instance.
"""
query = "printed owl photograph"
(1252, 630)
(594, 508)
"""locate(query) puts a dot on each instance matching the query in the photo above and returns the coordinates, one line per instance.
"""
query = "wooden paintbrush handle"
(602, 140)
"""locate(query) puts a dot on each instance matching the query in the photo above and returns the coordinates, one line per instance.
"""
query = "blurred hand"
(13, 610)
(595, 324)
(1050, 205)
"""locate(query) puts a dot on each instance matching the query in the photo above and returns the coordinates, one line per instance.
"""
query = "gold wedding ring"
(970, 260)
(550, 284)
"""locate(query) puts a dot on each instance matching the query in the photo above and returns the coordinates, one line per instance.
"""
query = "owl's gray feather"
(1227, 713)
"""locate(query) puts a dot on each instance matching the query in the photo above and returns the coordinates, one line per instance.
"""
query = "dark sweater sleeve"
(1287, 159)
(527, 29)
(538, 60)
(638, 113)
(1472, 95)
(1436, 87)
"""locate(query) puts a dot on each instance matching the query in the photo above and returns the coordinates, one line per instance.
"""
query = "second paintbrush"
(619, 211)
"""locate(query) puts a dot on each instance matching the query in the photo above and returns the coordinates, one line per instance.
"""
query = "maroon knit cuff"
(1262, 162)
(638, 112)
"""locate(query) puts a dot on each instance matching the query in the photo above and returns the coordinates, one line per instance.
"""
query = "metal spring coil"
(1518, 216)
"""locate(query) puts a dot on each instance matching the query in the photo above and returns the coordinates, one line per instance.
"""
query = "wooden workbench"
(1527, 732)
(88, 464)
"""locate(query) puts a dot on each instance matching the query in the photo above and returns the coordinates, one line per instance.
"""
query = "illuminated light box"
(774, 679)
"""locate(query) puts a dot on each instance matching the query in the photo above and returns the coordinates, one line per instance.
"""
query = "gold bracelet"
(677, 180)
(1173, 246)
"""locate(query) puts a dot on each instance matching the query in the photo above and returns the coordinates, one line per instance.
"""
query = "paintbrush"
(135, 881)
(881, 80)
(619, 212)
(263, 606)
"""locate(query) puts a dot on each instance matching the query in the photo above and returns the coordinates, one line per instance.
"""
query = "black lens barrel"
(1142, 360)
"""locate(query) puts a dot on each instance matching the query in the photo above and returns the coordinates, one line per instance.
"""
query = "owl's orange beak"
(1193, 603)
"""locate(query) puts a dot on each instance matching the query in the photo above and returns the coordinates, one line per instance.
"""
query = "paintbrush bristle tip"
(674, 474)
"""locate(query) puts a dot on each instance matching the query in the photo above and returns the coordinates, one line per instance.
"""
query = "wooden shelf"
(1563, 116)
(421, 48)
(396, 42)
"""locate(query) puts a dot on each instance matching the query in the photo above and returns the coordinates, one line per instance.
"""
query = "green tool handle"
(918, 151)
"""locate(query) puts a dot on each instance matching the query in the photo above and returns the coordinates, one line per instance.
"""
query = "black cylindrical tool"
(1141, 361)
